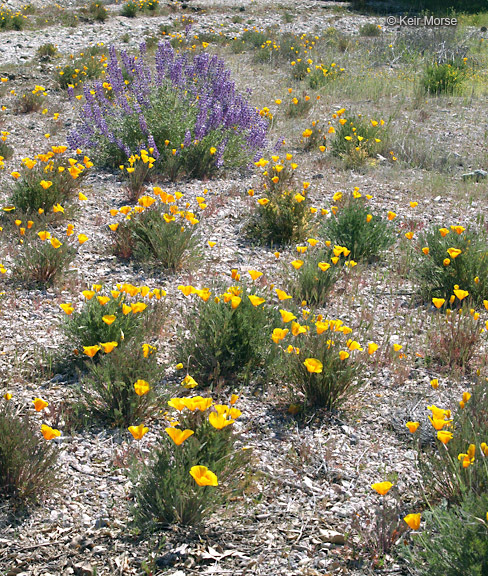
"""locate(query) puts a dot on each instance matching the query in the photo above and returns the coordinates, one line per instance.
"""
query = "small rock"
(332, 537)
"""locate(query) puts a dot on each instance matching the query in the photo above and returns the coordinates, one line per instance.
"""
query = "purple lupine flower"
(187, 140)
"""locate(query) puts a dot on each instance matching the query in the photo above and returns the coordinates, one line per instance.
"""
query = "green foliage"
(29, 102)
(443, 474)
(39, 264)
(347, 144)
(6, 151)
(285, 218)
(28, 468)
(107, 388)
(224, 344)
(321, 76)
(454, 540)
(86, 327)
(370, 30)
(10, 20)
(129, 9)
(338, 378)
(28, 195)
(349, 227)
(469, 270)
(310, 282)
(166, 493)
(88, 65)
(150, 239)
(453, 339)
(299, 107)
(445, 78)
(46, 51)
(97, 11)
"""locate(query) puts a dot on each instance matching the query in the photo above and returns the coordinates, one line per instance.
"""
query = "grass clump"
(454, 339)
(227, 337)
(46, 181)
(165, 238)
(130, 9)
(31, 102)
(195, 468)
(108, 390)
(282, 215)
(364, 235)
(46, 52)
(314, 279)
(179, 115)
(357, 139)
(42, 262)
(453, 258)
(97, 11)
(319, 361)
(124, 317)
(442, 78)
(87, 65)
(453, 541)
(28, 463)
(370, 30)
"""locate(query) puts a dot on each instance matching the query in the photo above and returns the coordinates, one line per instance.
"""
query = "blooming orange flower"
(49, 433)
(141, 387)
(219, 421)
(91, 350)
(382, 487)
(287, 316)
(39, 404)
(203, 476)
(413, 521)
(138, 431)
(108, 346)
(412, 426)
(178, 436)
(68, 308)
(109, 318)
(313, 365)
(255, 274)
(438, 302)
(444, 436)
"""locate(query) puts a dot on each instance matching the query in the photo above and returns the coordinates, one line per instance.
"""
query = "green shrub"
(227, 338)
(370, 30)
(39, 263)
(46, 51)
(46, 181)
(453, 541)
(6, 151)
(438, 272)
(349, 227)
(443, 78)
(129, 9)
(97, 11)
(87, 65)
(133, 322)
(282, 216)
(107, 389)
(338, 366)
(299, 107)
(453, 340)
(321, 76)
(166, 239)
(358, 139)
(28, 463)
(452, 470)
(312, 282)
(10, 20)
(166, 493)
(30, 102)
